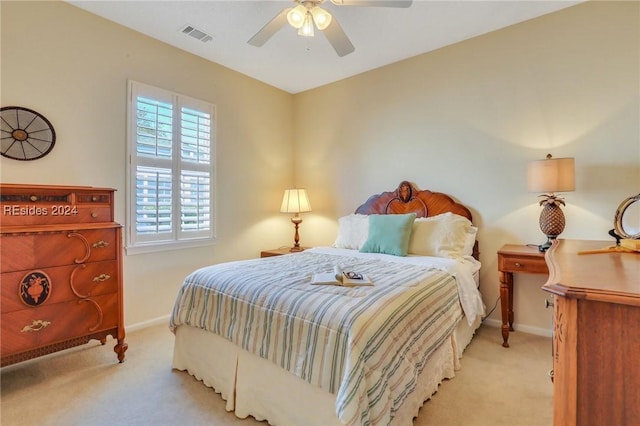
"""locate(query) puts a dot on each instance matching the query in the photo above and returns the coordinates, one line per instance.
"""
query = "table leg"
(510, 285)
(506, 305)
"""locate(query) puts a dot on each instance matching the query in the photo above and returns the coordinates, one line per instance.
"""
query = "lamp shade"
(551, 175)
(295, 201)
(306, 29)
(321, 17)
(296, 16)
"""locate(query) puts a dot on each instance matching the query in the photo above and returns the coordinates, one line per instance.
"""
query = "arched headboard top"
(407, 198)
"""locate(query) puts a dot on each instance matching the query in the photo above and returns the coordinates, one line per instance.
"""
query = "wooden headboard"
(409, 199)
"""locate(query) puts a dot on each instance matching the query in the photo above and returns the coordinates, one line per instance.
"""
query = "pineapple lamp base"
(552, 220)
(546, 246)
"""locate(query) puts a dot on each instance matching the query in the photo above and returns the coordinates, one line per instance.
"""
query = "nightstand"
(278, 252)
(514, 258)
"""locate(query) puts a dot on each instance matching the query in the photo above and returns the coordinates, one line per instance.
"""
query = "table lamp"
(550, 176)
(295, 201)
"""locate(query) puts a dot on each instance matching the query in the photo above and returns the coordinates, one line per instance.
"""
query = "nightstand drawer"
(522, 264)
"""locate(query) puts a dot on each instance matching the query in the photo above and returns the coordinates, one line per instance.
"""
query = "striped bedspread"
(366, 345)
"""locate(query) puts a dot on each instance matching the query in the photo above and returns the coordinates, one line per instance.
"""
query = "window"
(171, 154)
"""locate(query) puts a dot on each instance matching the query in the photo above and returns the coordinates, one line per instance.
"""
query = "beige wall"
(466, 119)
(73, 67)
(463, 120)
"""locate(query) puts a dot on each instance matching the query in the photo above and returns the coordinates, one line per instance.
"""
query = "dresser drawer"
(36, 327)
(27, 251)
(515, 263)
(63, 283)
(54, 214)
(47, 206)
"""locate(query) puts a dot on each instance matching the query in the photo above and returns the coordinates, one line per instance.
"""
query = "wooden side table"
(515, 258)
(277, 252)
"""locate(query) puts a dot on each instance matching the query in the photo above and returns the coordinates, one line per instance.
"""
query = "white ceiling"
(293, 63)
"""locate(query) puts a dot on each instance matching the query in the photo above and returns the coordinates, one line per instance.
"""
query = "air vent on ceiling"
(196, 33)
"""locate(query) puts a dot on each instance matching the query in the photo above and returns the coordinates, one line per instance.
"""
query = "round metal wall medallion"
(26, 134)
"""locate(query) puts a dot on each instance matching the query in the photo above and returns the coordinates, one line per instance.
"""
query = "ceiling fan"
(306, 13)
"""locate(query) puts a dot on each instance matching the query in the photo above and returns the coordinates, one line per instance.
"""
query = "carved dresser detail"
(61, 255)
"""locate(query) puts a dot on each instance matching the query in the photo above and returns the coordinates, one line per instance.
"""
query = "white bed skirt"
(253, 386)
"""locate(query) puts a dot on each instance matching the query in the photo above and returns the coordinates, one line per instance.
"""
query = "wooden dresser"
(596, 340)
(61, 270)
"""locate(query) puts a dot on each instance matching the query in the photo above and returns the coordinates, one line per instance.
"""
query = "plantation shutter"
(171, 159)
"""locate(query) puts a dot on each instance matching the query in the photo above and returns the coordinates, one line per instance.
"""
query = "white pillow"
(353, 231)
(444, 235)
(470, 241)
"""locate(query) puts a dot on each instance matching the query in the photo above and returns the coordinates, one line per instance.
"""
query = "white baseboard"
(546, 332)
(150, 323)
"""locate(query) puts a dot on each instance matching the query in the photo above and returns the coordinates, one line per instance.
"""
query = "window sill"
(168, 246)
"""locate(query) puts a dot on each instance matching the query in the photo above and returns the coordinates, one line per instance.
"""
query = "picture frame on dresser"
(61, 264)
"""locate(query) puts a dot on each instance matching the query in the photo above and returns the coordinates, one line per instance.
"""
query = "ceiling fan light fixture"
(306, 29)
(307, 13)
(296, 16)
(321, 17)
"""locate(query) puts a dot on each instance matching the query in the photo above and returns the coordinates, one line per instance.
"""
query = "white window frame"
(175, 238)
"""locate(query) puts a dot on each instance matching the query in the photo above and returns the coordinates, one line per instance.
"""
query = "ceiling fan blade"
(272, 27)
(338, 38)
(375, 3)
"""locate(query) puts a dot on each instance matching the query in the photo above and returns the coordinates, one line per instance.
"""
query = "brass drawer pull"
(34, 198)
(100, 244)
(94, 215)
(101, 278)
(36, 325)
(518, 265)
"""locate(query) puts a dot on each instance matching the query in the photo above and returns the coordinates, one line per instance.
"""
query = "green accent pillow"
(389, 234)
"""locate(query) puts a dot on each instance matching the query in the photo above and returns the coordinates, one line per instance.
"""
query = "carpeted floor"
(87, 387)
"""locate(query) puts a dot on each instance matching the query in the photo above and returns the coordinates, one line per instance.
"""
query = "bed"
(280, 349)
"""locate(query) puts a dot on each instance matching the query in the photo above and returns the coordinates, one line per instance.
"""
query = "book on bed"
(341, 278)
